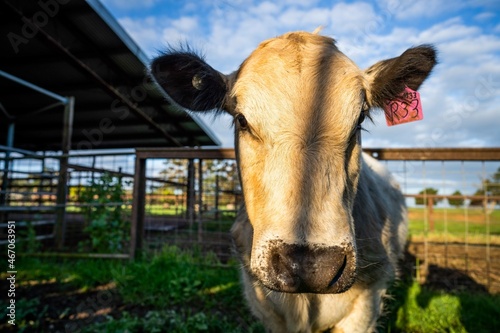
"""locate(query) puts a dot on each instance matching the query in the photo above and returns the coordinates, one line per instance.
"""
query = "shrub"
(109, 231)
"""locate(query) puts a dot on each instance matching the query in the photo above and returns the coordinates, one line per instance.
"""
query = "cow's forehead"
(287, 53)
(285, 74)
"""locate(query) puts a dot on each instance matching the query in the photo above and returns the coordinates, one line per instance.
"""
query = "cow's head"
(298, 104)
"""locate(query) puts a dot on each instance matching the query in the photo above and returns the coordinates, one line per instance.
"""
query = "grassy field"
(450, 224)
(182, 292)
(455, 225)
(459, 222)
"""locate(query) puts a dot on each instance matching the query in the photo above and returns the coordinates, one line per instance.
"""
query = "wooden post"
(217, 196)
(200, 199)
(42, 183)
(430, 212)
(138, 207)
(62, 181)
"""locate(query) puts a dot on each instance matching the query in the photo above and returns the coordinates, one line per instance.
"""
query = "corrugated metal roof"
(85, 37)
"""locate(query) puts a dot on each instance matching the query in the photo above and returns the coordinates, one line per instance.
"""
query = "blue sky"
(461, 100)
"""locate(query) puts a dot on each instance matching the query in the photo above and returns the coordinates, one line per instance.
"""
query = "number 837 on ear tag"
(406, 108)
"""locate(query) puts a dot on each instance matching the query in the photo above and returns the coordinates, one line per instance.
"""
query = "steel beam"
(6, 166)
(34, 87)
(62, 182)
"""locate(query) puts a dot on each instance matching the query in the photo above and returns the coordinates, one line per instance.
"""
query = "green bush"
(106, 224)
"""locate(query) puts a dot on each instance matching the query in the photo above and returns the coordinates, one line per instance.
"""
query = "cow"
(323, 225)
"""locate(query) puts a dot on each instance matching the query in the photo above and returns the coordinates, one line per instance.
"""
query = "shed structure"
(72, 79)
(77, 49)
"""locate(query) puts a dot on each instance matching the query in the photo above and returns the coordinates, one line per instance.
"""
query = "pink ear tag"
(404, 109)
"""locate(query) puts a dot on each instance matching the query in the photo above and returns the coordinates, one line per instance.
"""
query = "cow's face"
(298, 103)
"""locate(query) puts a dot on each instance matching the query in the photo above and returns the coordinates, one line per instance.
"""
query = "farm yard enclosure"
(452, 248)
(93, 257)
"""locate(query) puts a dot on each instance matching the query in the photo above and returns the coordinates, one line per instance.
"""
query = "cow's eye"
(364, 113)
(242, 121)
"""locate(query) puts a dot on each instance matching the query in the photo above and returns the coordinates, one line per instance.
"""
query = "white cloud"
(299, 19)
(484, 16)
(144, 32)
(185, 24)
(179, 30)
(266, 8)
(154, 33)
(414, 10)
(449, 30)
(300, 3)
(347, 18)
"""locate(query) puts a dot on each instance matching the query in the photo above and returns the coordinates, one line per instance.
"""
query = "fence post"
(62, 181)
(200, 199)
(430, 212)
(217, 196)
(138, 207)
(190, 194)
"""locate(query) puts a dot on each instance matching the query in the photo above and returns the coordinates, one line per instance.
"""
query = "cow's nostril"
(276, 260)
(339, 273)
(283, 269)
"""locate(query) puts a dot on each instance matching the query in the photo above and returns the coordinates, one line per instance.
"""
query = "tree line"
(490, 187)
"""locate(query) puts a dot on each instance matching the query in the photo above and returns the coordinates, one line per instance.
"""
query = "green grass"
(81, 273)
(451, 224)
(191, 292)
(421, 310)
(174, 277)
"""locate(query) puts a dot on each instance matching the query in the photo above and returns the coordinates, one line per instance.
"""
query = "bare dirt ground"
(457, 266)
(65, 309)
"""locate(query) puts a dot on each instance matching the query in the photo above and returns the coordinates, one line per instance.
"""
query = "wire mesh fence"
(191, 203)
(453, 212)
(454, 221)
(94, 216)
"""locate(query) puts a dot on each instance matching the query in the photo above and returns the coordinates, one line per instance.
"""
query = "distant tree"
(479, 201)
(457, 202)
(490, 186)
(430, 191)
(175, 170)
(225, 170)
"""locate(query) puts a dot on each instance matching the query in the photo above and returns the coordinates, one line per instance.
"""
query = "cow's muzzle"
(297, 268)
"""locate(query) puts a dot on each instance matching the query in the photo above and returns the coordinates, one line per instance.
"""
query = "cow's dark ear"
(387, 79)
(189, 81)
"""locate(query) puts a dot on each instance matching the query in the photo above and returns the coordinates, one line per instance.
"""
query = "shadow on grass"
(449, 301)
